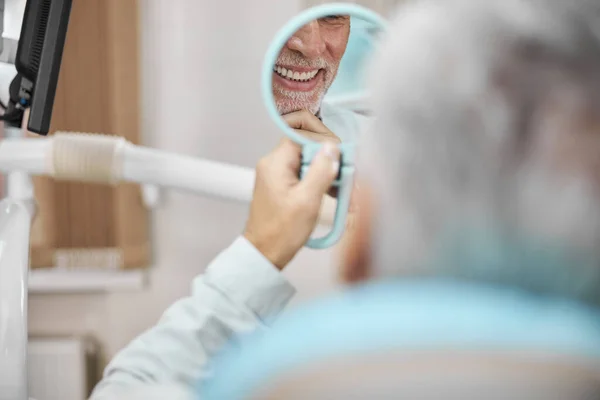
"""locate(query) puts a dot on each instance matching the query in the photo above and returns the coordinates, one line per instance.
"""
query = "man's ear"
(355, 263)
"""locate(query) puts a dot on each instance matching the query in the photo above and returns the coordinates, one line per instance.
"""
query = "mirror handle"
(341, 212)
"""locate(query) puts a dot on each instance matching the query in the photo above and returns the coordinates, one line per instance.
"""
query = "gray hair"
(468, 96)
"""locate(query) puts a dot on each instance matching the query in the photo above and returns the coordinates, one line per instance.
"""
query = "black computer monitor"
(38, 60)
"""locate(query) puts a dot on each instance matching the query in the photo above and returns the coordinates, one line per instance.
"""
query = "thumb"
(323, 170)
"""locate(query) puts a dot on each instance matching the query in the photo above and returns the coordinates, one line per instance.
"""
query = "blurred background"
(177, 75)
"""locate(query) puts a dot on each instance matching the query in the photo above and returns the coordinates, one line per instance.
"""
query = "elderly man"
(305, 69)
(308, 64)
(482, 164)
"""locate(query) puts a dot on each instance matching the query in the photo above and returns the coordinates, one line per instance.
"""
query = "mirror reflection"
(318, 77)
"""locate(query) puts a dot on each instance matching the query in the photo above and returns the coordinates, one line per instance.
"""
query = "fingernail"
(329, 149)
(336, 167)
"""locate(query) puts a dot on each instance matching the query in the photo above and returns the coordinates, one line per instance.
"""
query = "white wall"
(13, 18)
(201, 97)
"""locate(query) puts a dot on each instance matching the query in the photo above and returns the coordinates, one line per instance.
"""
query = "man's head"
(308, 64)
(483, 160)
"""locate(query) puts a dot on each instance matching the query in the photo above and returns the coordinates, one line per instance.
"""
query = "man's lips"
(297, 79)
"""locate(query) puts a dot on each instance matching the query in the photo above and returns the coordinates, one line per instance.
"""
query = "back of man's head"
(484, 156)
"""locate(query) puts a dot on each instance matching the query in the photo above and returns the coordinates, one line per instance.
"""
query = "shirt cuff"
(245, 276)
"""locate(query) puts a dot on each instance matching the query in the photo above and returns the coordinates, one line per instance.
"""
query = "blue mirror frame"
(309, 147)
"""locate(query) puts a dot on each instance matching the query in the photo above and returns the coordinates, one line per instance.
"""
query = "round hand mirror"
(314, 89)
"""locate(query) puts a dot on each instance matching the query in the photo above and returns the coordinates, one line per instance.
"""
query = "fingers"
(283, 162)
(319, 137)
(322, 172)
(288, 150)
(306, 121)
(288, 146)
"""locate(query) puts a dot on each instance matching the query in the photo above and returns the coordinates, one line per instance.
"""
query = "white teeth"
(296, 76)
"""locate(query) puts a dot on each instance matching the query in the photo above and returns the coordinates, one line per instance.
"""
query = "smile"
(297, 76)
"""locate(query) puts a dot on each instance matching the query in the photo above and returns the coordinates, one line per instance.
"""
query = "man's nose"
(308, 41)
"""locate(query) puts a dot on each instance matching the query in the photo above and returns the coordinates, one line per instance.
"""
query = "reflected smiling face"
(308, 64)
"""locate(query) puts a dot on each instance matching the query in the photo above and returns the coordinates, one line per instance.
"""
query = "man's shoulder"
(345, 123)
(334, 111)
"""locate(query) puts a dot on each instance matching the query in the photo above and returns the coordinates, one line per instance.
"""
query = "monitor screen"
(39, 56)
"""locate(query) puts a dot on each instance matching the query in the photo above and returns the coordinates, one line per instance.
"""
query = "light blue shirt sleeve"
(240, 292)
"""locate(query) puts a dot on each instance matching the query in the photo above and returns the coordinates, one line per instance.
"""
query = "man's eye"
(334, 18)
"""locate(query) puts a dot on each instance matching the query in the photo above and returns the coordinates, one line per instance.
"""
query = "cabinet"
(86, 225)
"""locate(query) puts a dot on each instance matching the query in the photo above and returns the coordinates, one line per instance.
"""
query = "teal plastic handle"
(345, 186)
